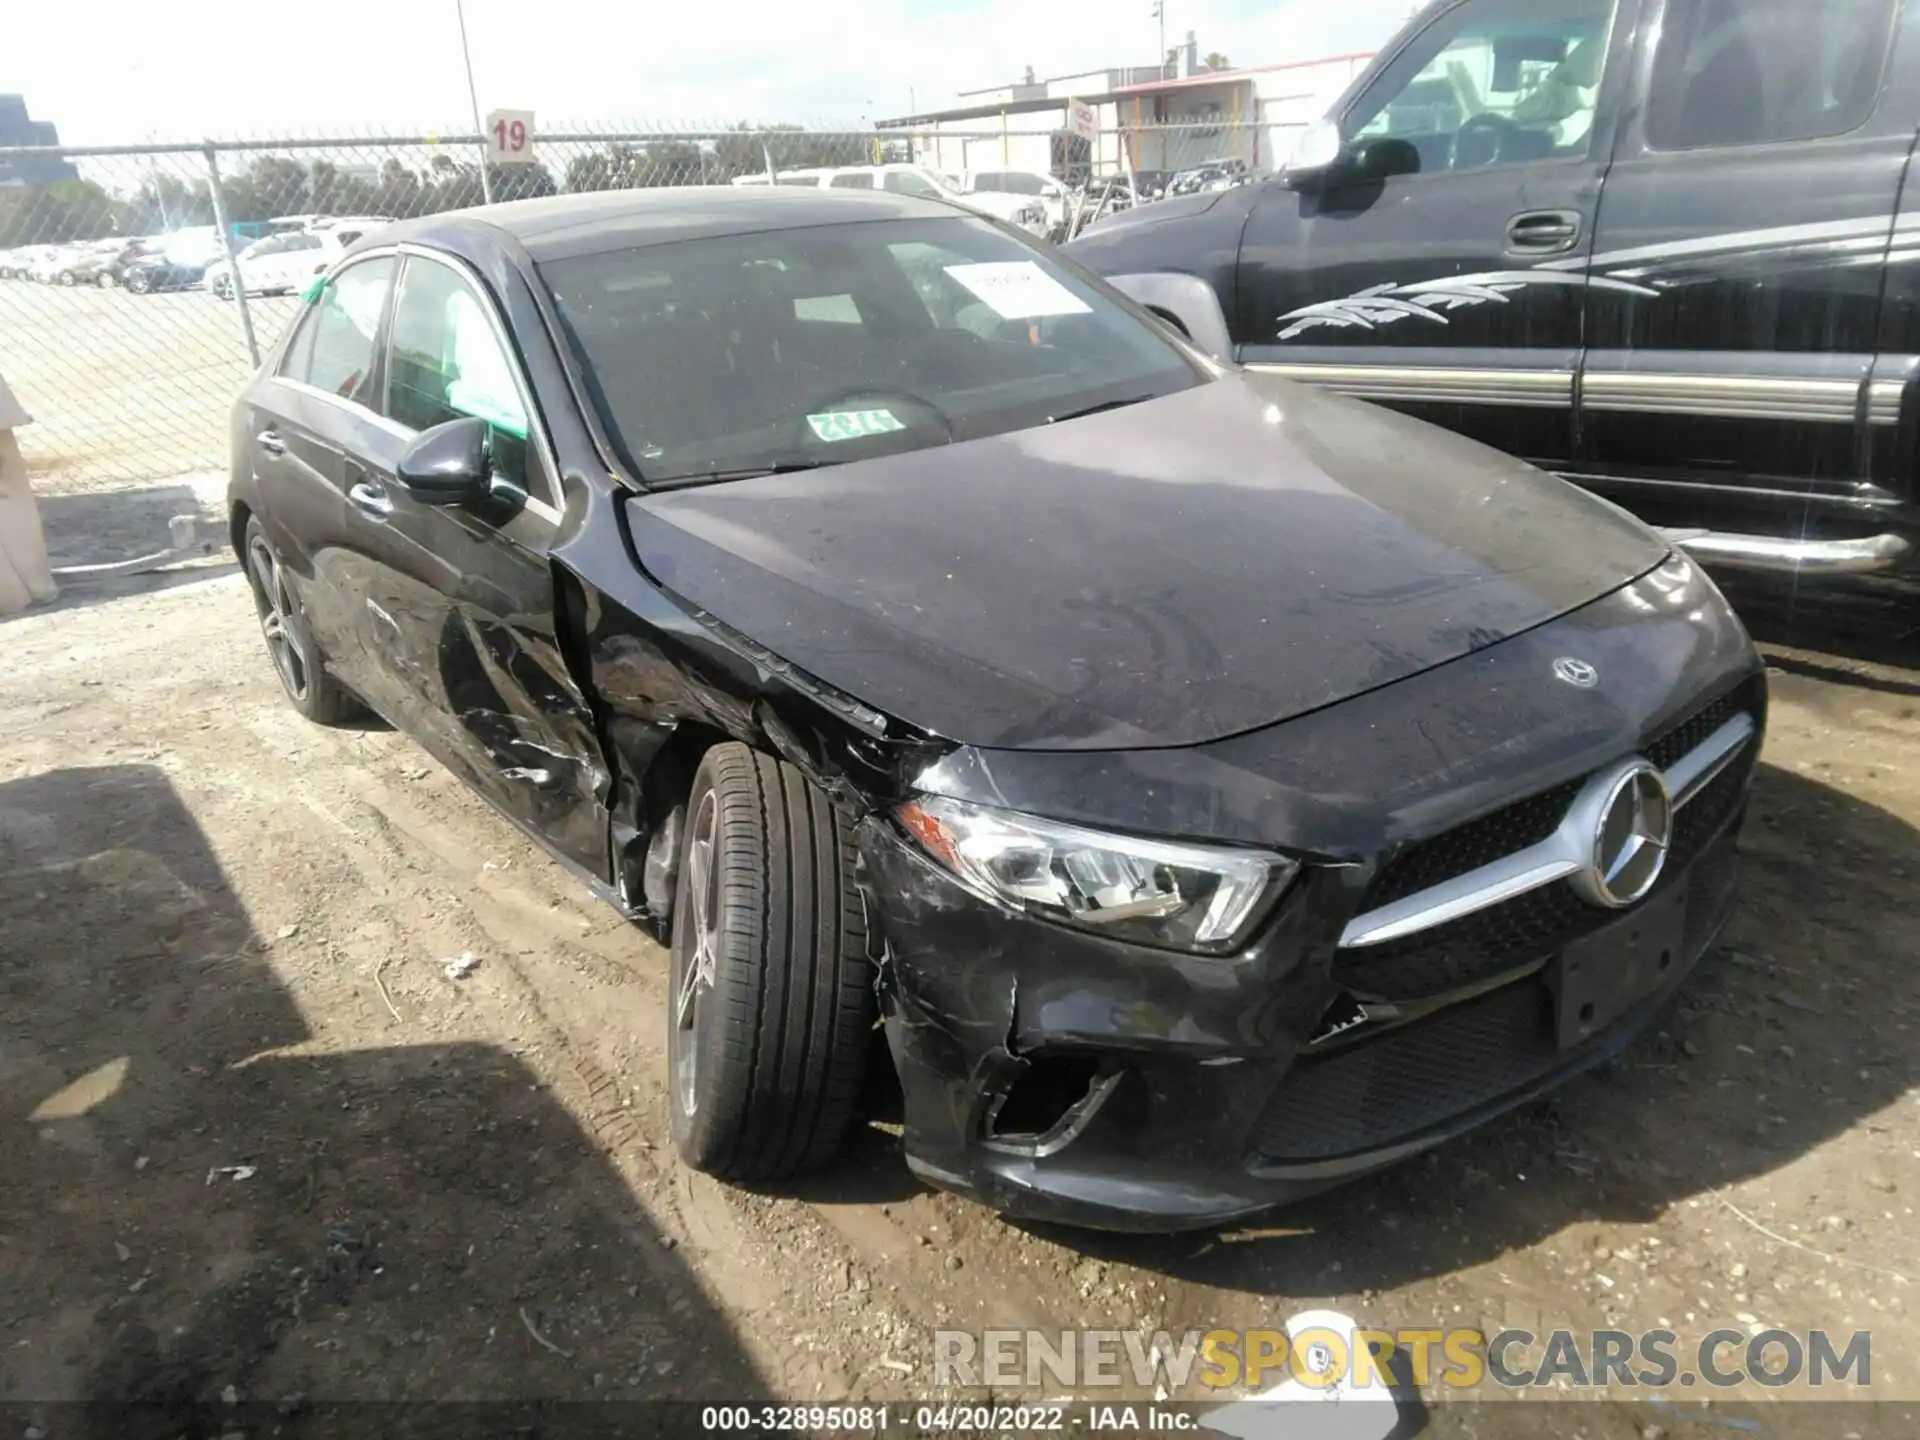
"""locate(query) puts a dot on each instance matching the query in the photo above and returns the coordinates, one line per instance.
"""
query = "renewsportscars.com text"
(1454, 1358)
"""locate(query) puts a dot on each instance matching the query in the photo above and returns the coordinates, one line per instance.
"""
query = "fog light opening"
(1043, 1099)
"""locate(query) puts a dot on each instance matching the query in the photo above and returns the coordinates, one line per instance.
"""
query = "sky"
(269, 67)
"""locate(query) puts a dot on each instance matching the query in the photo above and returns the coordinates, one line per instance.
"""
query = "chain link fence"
(124, 330)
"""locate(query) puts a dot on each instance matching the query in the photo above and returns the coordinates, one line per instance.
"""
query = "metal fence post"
(233, 260)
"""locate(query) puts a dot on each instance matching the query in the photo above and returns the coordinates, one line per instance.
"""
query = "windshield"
(826, 344)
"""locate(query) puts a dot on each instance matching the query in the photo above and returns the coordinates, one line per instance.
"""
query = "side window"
(1751, 72)
(857, 181)
(1497, 82)
(444, 361)
(334, 347)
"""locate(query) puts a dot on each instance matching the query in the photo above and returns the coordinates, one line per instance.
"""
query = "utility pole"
(1160, 14)
(473, 99)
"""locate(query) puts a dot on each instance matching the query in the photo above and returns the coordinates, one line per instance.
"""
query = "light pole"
(1160, 14)
(473, 99)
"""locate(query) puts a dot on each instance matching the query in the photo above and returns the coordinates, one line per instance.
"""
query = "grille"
(1426, 863)
(1469, 846)
(1531, 927)
(1383, 1091)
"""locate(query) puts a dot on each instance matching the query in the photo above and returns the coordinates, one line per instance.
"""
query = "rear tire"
(296, 656)
(771, 1004)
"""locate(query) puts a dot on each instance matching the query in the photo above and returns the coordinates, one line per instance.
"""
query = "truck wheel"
(771, 1006)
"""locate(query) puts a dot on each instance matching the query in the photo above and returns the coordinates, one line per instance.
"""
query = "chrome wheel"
(270, 596)
(697, 956)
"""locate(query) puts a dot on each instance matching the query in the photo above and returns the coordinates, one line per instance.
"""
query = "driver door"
(1442, 269)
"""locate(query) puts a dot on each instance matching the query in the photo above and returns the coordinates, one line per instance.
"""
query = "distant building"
(1151, 117)
(19, 128)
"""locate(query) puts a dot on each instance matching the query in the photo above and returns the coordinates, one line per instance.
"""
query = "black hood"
(1174, 207)
(1167, 574)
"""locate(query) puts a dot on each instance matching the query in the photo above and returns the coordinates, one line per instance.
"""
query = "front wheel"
(139, 282)
(771, 1007)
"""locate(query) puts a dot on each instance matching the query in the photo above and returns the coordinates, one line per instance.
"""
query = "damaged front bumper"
(1058, 1076)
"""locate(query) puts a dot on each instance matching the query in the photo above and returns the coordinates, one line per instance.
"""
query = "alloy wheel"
(700, 960)
(270, 596)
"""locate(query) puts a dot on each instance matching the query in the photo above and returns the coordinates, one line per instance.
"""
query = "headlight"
(1189, 897)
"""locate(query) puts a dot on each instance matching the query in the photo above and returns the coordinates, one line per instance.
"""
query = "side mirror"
(1319, 151)
(448, 464)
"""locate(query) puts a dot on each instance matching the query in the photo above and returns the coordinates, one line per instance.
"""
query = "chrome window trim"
(536, 427)
(359, 410)
(1561, 854)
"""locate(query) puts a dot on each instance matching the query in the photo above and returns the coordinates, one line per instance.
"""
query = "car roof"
(560, 226)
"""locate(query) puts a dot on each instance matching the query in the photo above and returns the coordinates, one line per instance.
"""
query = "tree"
(54, 214)
(744, 151)
(166, 202)
(1216, 61)
(521, 182)
(618, 167)
(398, 194)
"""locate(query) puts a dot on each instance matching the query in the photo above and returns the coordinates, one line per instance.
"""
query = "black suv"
(1661, 247)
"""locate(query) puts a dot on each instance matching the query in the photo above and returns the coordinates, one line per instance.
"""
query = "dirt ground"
(256, 1136)
(126, 387)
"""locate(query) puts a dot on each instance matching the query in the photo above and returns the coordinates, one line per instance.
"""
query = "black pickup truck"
(1666, 248)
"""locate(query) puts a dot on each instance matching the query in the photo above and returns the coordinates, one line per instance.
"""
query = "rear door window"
(1756, 72)
(333, 350)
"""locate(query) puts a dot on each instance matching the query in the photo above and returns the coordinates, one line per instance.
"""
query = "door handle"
(271, 442)
(371, 499)
(1543, 232)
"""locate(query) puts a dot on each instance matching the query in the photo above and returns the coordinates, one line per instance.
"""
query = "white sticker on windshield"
(1019, 289)
(853, 424)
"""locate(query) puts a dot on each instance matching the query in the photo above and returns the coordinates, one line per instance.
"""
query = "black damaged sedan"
(1215, 789)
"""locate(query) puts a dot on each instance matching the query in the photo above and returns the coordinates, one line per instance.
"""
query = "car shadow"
(1786, 1036)
(212, 1205)
(107, 527)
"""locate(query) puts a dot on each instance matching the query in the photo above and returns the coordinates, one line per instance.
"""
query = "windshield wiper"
(1103, 405)
(745, 472)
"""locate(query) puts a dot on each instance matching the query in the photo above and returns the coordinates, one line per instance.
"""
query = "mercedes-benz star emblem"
(1577, 673)
(1632, 831)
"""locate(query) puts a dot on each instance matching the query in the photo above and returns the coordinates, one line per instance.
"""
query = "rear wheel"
(290, 645)
(139, 282)
(771, 1007)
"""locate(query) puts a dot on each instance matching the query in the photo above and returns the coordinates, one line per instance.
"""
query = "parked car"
(179, 263)
(282, 263)
(1051, 194)
(18, 264)
(46, 265)
(1658, 246)
(93, 263)
(1029, 214)
(1174, 759)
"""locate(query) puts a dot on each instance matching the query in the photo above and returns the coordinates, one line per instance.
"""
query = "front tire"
(771, 1006)
(296, 657)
